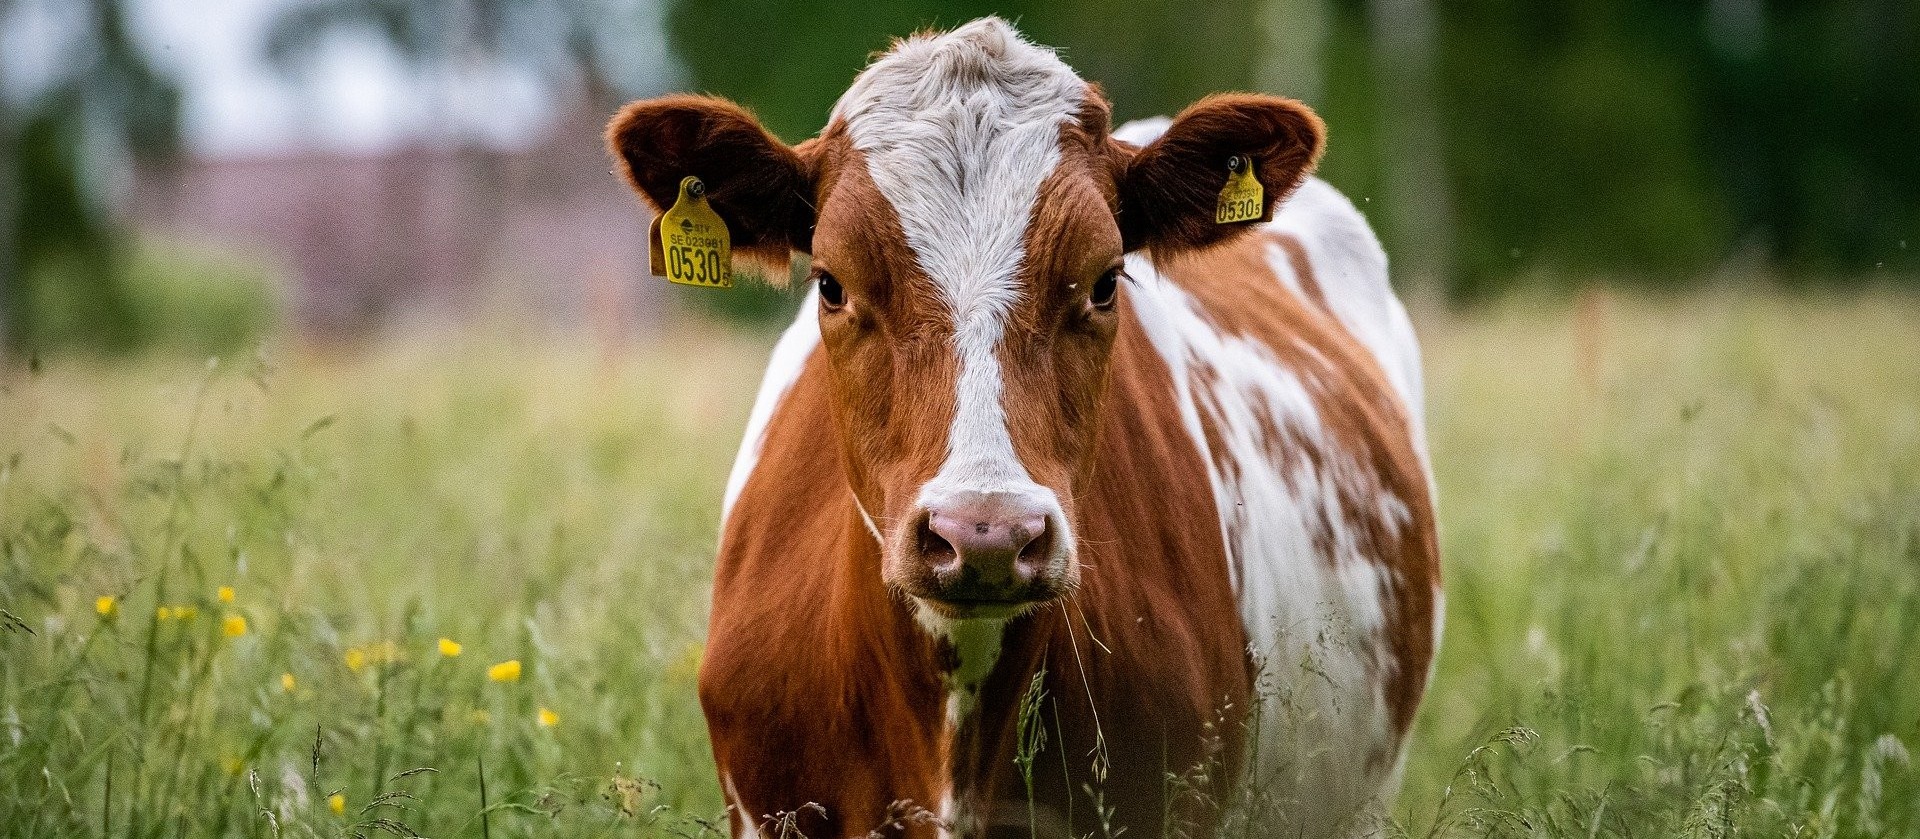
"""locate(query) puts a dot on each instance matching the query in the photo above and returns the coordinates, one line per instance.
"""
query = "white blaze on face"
(959, 130)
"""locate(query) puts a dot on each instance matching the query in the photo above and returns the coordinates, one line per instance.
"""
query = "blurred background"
(201, 173)
(1660, 255)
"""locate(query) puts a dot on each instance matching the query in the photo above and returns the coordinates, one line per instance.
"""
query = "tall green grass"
(1683, 556)
(532, 503)
(1682, 545)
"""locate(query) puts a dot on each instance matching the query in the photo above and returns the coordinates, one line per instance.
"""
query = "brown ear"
(760, 187)
(1169, 188)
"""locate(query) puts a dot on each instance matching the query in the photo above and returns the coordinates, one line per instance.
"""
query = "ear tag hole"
(1242, 199)
(691, 245)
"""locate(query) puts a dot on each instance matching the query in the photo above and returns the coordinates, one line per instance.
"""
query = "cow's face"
(967, 212)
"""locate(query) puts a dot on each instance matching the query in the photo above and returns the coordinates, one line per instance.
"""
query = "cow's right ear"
(760, 187)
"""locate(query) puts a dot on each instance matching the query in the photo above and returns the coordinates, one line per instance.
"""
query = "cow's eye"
(831, 294)
(1104, 289)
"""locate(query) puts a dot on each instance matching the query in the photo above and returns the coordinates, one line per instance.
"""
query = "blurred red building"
(424, 231)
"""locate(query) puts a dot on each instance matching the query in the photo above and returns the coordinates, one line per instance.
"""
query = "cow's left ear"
(761, 187)
(1170, 188)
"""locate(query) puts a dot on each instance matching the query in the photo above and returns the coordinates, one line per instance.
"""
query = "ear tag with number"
(691, 245)
(1241, 199)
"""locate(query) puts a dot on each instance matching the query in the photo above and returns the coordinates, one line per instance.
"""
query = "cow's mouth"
(951, 608)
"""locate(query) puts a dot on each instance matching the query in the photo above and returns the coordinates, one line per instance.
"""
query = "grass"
(1682, 542)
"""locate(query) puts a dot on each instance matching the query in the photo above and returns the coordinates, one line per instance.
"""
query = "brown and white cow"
(1040, 415)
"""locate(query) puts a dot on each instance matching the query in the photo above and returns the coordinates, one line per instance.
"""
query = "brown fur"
(811, 663)
(757, 184)
(1168, 190)
(1360, 410)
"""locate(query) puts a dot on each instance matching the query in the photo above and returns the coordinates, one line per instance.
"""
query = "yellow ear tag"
(1241, 199)
(692, 245)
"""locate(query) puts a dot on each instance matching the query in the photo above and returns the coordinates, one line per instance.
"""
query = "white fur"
(976, 643)
(1351, 270)
(783, 369)
(748, 828)
(958, 131)
(1314, 620)
(1142, 131)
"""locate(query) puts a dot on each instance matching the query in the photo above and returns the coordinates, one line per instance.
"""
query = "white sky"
(356, 96)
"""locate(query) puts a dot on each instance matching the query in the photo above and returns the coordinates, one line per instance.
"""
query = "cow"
(1063, 509)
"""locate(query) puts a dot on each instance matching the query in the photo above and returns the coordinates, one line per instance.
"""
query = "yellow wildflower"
(337, 803)
(547, 718)
(380, 652)
(226, 594)
(286, 682)
(185, 613)
(506, 671)
(163, 613)
(479, 717)
(234, 626)
(106, 605)
(449, 647)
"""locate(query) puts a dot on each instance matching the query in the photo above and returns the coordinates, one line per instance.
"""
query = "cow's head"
(967, 210)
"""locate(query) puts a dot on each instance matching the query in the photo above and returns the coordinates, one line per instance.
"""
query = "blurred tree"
(1495, 143)
(1574, 144)
(63, 129)
(1647, 141)
(600, 47)
(1413, 143)
(1811, 121)
(790, 60)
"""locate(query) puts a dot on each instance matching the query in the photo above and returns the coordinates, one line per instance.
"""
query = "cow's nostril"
(988, 550)
(1039, 544)
(935, 548)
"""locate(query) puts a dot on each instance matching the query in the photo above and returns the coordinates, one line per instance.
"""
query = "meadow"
(454, 583)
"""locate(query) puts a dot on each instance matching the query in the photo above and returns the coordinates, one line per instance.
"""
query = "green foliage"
(1682, 548)
(789, 61)
(1626, 140)
(61, 256)
(559, 42)
(1591, 166)
(531, 505)
(146, 294)
(1685, 569)
(57, 142)
(752, 302)
(199, 300)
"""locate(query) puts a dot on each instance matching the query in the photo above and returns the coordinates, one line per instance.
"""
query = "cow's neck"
(976, 670)
(972, 647)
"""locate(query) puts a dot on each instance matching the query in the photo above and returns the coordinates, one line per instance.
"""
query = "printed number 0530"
(697, 264)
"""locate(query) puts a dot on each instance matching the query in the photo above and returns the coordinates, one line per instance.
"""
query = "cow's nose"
(985, 547)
